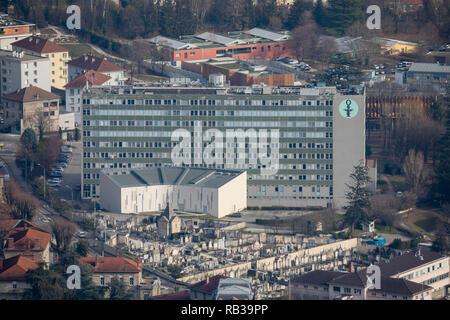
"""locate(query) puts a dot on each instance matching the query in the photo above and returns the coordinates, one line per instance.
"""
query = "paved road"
(72, 174)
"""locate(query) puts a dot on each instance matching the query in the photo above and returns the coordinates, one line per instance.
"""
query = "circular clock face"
(348, 108)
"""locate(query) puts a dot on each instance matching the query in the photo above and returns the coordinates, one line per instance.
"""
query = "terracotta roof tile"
(30, 93)
(40, 45)
(112, 264)
(24, 238)
(92, 77)
(15, 268)
(90, 62)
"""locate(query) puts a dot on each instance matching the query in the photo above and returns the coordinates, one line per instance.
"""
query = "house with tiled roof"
(29, 242)
(74, 90)
(335, 285)
(27, 107)
(87, 62)
(13, 276)
(106, 268)
(58, 56)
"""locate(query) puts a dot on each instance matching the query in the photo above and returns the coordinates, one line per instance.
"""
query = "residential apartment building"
(423, 267)
(304, 143)
(12, 30)
(58, 56)
(87, 62)
(19, 70)
(31, 107)
(336, 285)
(74, 91)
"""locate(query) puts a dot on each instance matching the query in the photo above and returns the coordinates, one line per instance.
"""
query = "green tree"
(118, 290)
(45, 284)
(341, 14)
(441, 187)
(358, 196)
(29, 140)
(319, 14)
(82, 248)
(296, 12)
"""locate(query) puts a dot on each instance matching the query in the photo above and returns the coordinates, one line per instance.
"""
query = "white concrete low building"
(211, 191)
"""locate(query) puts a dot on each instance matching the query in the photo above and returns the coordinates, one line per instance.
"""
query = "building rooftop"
(214, 40)
(407, 262)
(148, 91)
(7, 22)
(39, 45)
(16, 268)
(234, 288)
(29, 94)
(112, 264)
(429, 67)
(25, 238)
(91, 62)
(91, 77)
(20, 56)
(202, 177)
(209, 285)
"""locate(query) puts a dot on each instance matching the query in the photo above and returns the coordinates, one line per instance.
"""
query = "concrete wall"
(233, 196)
(67, 121)
(348, 145)
(229, 198)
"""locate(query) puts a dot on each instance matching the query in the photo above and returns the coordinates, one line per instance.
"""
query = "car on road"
(81, 234)
(66, 149)
(61, 164)
(56, 174)
(53, 184)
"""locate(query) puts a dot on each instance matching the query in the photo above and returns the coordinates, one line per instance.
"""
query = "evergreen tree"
(297, 9)
(118, 290)
(441, 187)
(319, 14)
(358, 196)
(342, 14)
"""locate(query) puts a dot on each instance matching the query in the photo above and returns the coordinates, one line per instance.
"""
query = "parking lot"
(71, 176)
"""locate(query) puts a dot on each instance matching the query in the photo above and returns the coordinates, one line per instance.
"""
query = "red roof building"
(13, 272)
(39, 45)
(29, 242)
(87, 62)
(91, 77)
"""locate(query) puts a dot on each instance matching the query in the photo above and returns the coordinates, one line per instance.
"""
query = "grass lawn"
(385, 229)
(78, 49)
(424, 220)
(398, 182)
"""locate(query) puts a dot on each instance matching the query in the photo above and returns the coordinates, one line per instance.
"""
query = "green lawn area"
(381, 228)
(424, 220)
(398, 182)
(78, 49)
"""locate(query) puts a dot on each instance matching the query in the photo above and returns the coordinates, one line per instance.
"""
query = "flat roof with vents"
(217, 38)
(168, 42)
(266, 34)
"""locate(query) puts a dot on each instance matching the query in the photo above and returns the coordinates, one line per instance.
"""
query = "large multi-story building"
(19, 70)
(255, 43)
(303, 145)
(12, 30)
(58, 56)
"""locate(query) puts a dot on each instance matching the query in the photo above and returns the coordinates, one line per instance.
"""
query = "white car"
(66, 149)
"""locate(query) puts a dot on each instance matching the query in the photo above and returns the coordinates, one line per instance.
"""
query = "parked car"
(53, 184)
(62, 164)
(66, 149)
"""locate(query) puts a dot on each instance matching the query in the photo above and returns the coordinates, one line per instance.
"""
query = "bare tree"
(39, 120)
(63, 231)
(414, 168)
(22, 204)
